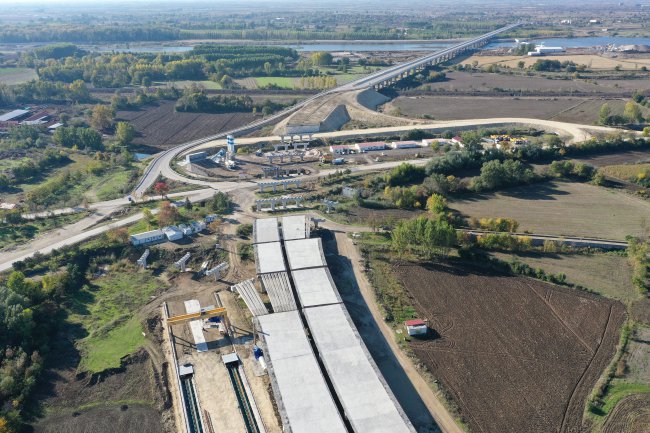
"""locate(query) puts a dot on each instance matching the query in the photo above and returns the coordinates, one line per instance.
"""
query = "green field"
(284, 82)
(105, 309)
(608, 274)
(562, 208)
(17, 75)
(181, 84)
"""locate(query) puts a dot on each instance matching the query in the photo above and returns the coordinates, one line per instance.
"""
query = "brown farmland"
(160, 127)
(517, 355)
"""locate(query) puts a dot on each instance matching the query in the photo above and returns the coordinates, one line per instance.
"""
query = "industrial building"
(195, 157)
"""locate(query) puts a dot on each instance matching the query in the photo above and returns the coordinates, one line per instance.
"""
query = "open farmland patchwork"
(562, 208)
(517, 355)
(572, 110)
(159, 126)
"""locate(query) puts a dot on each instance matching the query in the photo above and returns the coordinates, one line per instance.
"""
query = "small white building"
(211, 218)
(173, 233)
(542, 50)
(148, 238)
(458, 140)
(416, 327)
(340, 149)
(187, 231)
(409, 144)
(373, 145)
(198, 226)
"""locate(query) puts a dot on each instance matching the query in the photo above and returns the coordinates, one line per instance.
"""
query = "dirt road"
(442, 417)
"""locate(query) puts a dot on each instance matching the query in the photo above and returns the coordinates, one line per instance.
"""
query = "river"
(365, 46)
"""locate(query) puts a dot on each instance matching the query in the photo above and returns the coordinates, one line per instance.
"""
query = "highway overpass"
(387, 76)
(378, 79)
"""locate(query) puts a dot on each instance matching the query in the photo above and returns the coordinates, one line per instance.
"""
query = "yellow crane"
(204, 313)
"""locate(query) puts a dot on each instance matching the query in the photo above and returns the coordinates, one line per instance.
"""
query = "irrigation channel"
(191, 404)
(242, 398)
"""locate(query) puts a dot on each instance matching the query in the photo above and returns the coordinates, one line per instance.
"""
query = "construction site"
(277, 352)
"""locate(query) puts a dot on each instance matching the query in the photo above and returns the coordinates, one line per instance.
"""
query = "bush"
(244, 230)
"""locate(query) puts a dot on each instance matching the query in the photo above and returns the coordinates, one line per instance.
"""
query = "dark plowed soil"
(516, 354)
(159, 127)
(631, 415)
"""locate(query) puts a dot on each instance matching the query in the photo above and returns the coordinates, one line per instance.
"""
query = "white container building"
(148, 238)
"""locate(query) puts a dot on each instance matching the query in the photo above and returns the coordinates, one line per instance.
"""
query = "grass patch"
(106, 352)
(105, 310)
(617, 392)
(284, 82)
(17, 75)
(12, 235)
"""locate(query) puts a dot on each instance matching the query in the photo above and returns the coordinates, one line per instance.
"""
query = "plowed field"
(517, 355)
(160, 127)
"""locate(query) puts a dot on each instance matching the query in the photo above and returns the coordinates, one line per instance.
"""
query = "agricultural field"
(567, 109)
(563, 209)
(17, 75)
(618, 158)
(159, 126)
(207, 84)
(516, 354)
(627, 403)
(477, 82)
(593, 61)
(609, 275)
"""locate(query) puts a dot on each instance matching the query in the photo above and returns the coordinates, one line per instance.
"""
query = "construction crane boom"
(205, 313)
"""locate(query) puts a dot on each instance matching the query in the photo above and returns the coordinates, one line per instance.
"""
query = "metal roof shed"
(305, 253)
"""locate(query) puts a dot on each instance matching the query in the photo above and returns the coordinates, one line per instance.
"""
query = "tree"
(168, 214)
(646, 131)
(321, 58)
(220, 203)
(78, 91)
(161, 188)
(633, 112)
(436, 203)
(102, 117)
(604, 114)
(124, 132)
(188, 203)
